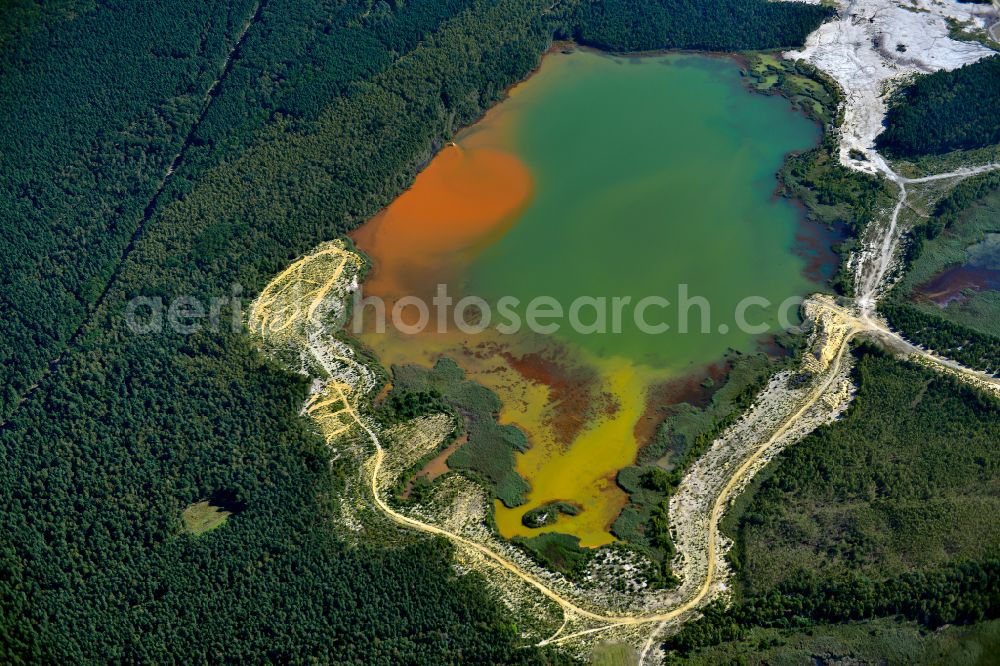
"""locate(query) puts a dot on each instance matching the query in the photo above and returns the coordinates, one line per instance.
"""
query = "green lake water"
(650, 173)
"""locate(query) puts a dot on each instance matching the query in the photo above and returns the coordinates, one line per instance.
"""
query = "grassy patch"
(967, 32)
(953, 233)
(613, 654)
(808, 89)
(204, 516)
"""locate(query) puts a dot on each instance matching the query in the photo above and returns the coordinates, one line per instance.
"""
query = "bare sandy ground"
(873, 46)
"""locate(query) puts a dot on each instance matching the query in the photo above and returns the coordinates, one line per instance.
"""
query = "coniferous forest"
(945, 111)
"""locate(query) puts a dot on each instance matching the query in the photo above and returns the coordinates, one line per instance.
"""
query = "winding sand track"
(292, 309)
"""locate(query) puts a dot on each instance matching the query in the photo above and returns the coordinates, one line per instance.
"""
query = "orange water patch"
(464, 197)
(439, 464)
(436, 466)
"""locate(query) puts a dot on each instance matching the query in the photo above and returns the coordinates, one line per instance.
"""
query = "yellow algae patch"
(584, 472)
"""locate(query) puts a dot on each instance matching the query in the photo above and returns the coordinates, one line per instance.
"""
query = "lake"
(625, 193)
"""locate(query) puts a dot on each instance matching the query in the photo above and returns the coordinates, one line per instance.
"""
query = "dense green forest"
(905, 481)
(879, 641)
(721, 25)
(890, 511)
(97, 101)
(954, 594)
(945, 111)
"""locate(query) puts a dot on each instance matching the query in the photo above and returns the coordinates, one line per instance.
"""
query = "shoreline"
(682, 376)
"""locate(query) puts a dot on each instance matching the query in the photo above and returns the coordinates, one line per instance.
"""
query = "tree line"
(969, 347)
(956, 594)
(723, 25)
